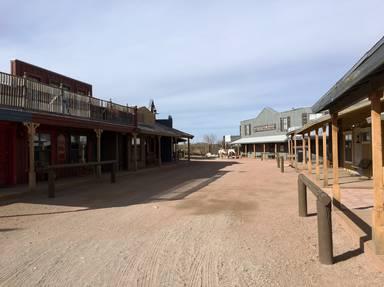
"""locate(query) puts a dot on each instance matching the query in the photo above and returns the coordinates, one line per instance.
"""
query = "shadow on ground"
(164, 184)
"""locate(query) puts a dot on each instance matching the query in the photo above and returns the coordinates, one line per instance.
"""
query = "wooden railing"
(23, 94)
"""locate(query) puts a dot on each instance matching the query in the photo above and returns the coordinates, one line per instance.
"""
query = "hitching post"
(282, 164)
(324, 225)
(302, 189)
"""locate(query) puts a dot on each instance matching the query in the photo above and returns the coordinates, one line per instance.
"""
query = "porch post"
(309, 154)
(142, 150)
(98, 148)
(31, 128)
(189, 150)
(159, 150)
(317, 153)
(172, 149)
(377, 165)
(335, 161)
(304, 152)
(295, 144)
(325, 160)
(254, 150)
(264, 151)
(246, 150)
(117, 150)
(135, 151)
(275, 150)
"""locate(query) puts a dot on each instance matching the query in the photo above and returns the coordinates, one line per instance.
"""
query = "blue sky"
(209, 64)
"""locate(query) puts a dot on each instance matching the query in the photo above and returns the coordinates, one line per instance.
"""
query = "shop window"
(42, 143)
(78, 150)
(348, 146)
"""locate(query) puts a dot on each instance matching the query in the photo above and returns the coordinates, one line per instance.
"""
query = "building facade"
(266, 133)
(49, 119)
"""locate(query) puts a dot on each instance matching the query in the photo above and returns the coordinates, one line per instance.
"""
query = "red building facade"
(47, 119)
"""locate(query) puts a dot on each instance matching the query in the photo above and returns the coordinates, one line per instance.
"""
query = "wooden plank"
(335, 161)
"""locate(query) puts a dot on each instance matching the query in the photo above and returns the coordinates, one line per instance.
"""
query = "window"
(78, 152)
(247, 129)
(285, 124)
(304, 118)
(42, 143)
(348, 146)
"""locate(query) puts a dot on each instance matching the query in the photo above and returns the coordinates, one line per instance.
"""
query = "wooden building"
(354, 138)
(47, 118)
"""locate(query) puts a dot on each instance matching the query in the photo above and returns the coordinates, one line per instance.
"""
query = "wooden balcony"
(18, 93)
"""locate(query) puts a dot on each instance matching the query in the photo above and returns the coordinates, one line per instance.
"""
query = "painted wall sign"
(263, 128)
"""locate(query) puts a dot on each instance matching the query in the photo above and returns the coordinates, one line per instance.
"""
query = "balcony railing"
(22, 94)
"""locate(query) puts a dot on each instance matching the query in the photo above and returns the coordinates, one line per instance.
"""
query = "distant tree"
(210, 140)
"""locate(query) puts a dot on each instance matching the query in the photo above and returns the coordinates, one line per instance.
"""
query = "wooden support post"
(264, 151)
(31, 128)
(276, 150)
(135, 151)
(295, 144)
(98, 151)
(289, 149)
(377, 164)
(113, 172)
(317, 153)
(304, 152)
(117, 150)
(159, 150)
(189, 150)
(281, 164)
(254, 150)
(335, 162)
(325, 160)
(309, 154)
(142, 150)
(172, 149)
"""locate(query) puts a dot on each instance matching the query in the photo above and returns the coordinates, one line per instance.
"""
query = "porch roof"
(357, 83)
(161, 130)
(264, 139)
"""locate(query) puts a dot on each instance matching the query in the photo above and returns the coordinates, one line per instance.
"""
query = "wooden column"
(117, 151)
(304, 152)
(31, 128)
(254, 150)
(142, 150)
(289, 149)
(264, 151)
(189, 150)
(335, 161)
(159, 150)
(275, 150)
(295, 144)
(317, 153)
(135, 151)
(98, 150)
(377, 165)
(325, 159)
(172, 149)
(309, 154)
(246, 150)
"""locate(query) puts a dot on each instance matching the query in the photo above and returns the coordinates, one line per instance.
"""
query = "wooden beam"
(309, 154)
(98, 150)
(304, 152)
(254, 150)
(377, 164)
(335, 161)
(295, 143)
(135, 151)
(31, 128)
(189, 150)
(325, 159)
(317, 154)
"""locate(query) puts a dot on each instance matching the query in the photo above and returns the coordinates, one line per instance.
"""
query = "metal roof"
(264, 139)
(354, 85)
(162, 130)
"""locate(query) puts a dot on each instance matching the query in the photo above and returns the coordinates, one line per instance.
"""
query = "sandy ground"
(209, 223)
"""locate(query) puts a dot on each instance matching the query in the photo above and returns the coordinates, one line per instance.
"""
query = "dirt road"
(209, 223)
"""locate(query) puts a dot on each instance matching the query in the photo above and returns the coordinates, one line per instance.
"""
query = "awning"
(161, 130)
(264, 139)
